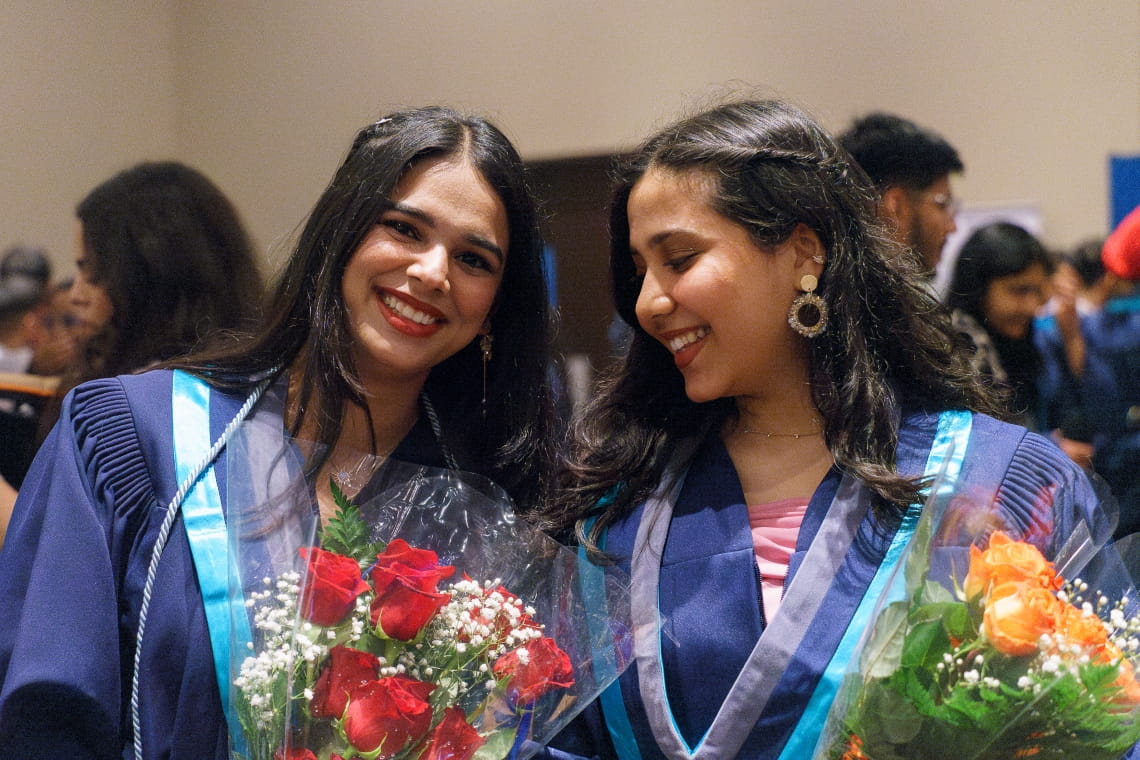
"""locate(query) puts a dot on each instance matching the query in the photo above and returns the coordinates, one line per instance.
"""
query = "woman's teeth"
(407, 312)
(678, 343)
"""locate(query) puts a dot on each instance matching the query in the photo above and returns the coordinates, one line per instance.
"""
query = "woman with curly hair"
(790, 392)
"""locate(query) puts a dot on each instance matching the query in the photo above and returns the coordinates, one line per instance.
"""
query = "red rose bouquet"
(985, 650)
(427, 623)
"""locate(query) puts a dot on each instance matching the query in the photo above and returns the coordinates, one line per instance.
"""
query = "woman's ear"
(809, 250)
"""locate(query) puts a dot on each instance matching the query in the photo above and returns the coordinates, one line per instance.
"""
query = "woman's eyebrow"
(429, 221)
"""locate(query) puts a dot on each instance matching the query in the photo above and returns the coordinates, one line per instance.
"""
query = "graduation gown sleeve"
(71, 577)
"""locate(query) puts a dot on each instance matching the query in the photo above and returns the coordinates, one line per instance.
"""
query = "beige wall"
(264, 96)
(85, 88)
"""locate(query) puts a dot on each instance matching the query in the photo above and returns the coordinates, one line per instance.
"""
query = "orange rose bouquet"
(426, 623)
(989, 652)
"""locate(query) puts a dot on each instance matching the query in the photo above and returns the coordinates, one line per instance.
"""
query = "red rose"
(388, 715)
(406, 582)
(453, 739)
(345, 669)
(534, 669)
(332, 583)
(295, 754)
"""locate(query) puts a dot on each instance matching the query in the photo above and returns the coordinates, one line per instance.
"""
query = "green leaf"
(885, 715)
(934, 592)
(921, 640)
(883, 651)
(347, 533)
(498, 745)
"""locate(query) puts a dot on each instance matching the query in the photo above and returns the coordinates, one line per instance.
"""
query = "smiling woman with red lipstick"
(410, 323)
(789, 391)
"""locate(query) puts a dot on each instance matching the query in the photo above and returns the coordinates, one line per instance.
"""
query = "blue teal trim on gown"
(205, 526)
(71, 575)
(712, 624)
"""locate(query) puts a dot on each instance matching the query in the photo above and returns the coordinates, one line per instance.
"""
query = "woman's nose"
(75, 294)
(431, 268)
(653, 300)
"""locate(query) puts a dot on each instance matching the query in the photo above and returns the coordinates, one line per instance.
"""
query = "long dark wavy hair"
(306, 324)
(887, 344)
(170, 250)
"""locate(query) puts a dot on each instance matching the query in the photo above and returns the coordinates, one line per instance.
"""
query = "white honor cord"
(172, 511)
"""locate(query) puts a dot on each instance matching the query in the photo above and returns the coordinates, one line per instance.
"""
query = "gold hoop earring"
(485, 349)
(808, 313)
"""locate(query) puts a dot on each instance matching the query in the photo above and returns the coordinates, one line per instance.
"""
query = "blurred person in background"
(164, 266)
(911, 168)
(24, 275)
(1091, 382)
(1000, 282)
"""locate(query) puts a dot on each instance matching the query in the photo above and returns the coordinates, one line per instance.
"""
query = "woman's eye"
(475, 261)
(400, 227)
(679, 261)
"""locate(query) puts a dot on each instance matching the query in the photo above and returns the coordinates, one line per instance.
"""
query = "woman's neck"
(791, 414)
(367, 436)
(778, 447)
(379, 429)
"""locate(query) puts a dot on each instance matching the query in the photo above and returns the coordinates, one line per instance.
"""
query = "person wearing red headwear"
(1121, 251)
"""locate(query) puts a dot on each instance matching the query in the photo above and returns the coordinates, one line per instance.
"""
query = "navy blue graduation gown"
(71, 574)
(709, 591)
(1106, 397)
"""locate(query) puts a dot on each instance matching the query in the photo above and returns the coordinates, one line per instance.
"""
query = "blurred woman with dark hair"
(1000, 283)
(163, 265)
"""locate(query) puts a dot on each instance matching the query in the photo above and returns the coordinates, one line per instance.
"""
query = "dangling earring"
(485, 349)
(808, 313)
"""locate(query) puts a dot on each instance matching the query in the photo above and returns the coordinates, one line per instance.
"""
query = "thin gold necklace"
(750, 431)
(766, 434)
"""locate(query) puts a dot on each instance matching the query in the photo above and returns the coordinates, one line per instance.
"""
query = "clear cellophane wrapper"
(278, 655)
(1000, 635)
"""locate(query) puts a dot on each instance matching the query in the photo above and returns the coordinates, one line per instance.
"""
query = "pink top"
(775, 528)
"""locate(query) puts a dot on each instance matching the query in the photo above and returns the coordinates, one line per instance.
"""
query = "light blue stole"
(206, 530)
(749, 695)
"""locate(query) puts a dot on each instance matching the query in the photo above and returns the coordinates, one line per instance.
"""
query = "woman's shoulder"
(147, 396)
(1016, 445)
(1030, 477)
(1001, 454)
(130, 417)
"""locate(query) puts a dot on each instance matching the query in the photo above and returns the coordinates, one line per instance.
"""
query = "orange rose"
(1017, 616)
(1130, 689)
(854, 749)
(1130, 693)
(1008, 561)
(1082, 629)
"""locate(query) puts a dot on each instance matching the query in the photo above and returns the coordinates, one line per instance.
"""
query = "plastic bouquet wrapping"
(423, 621)
(1000, 636)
